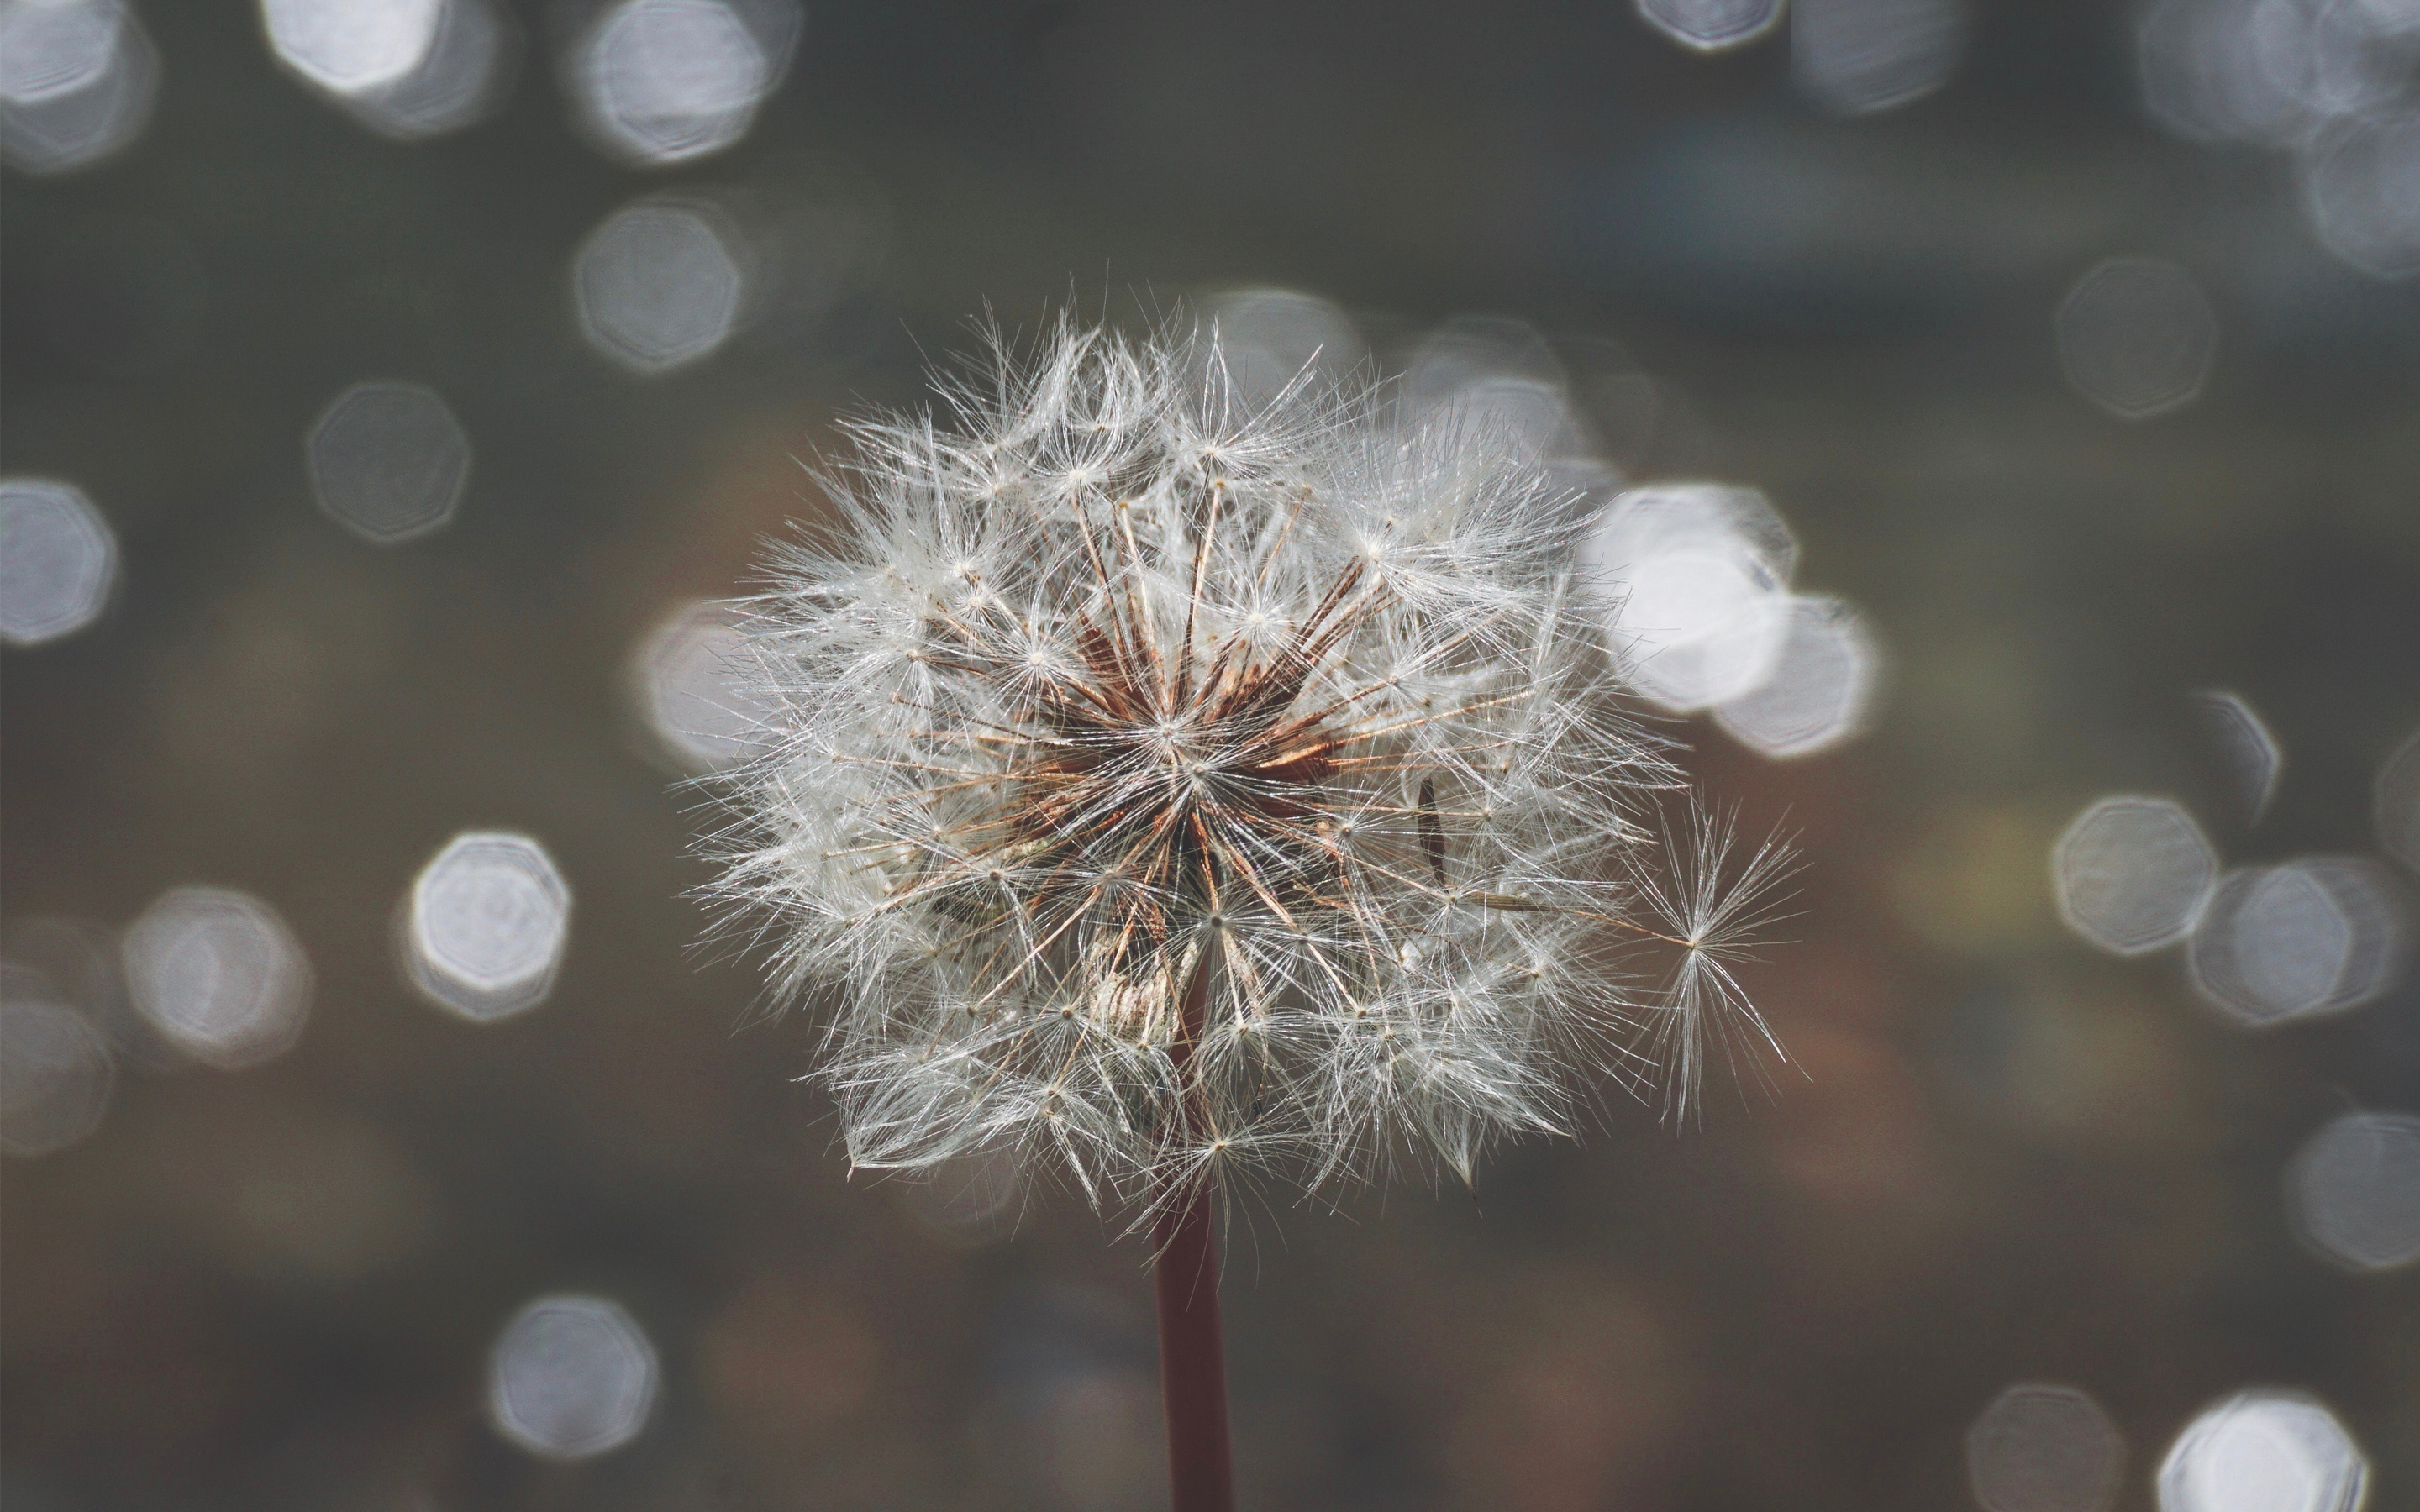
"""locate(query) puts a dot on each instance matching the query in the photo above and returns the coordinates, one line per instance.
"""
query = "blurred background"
(390, 386)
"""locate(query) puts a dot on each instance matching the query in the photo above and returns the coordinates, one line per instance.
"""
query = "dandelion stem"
(1192, 1345)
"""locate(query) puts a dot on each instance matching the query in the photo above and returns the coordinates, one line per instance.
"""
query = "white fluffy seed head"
(1170, 784)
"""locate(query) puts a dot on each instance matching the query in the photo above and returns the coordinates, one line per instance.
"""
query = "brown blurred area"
(1993, 1155)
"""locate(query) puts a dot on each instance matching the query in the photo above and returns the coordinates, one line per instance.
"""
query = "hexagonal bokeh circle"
(219, 975)
(2137, 337)
(2044, 1448)
(2312, 936)
(389, 461)
(77, 83)
(2353, 1191)
(572, 1376)
(487, 924)
(2131, 873)
(2264, 1451)
(1820, 690)
(659, 284)
(1711, 25)
(57, 559)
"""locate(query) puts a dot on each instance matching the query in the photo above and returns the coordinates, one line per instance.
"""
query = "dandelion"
(1174, 788)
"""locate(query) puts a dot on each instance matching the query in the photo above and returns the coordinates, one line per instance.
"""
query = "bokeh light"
(1822, 687)
(2132, 873)
(1271, 338)
(57, 559)
(2397, 805)
(2044, 1448)
(55, 1074)
(1711, 25)
(2361, 187)
(2313, 936)
(661, 283)
(486, 925)
(660, 82)
(406, 68)
(2136, 338)
(2273, 73)
(1699, 573)
(2245, 748)
(389, 461)
(691, 679)
(572, 1376)
(1497, 376)
(2353, 1191)
(219, 974)
(77, 79)
(1856, 56)
(2264, 1451)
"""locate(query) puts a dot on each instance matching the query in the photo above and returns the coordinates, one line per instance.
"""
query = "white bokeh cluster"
(486, 925)
(77, 79)
(2264, 1451)
(2300, 940)
(219, 974)
(662, 82)
(572, 1376)
(58, 559)
(1700, 578)
(2332, 82)
(405, 68)
(2137, 337)
(2044, 1448)
(2266, 945)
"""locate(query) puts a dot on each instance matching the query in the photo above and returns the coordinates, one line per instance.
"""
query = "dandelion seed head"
(1171, 778)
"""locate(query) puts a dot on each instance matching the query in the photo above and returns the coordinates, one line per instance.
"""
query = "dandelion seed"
(1174, 778)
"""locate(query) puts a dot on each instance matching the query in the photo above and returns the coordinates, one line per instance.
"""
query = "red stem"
(1192, 1346)
(1193, 1360)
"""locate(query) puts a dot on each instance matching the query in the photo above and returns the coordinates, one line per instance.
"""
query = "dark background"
(2008, 1157)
